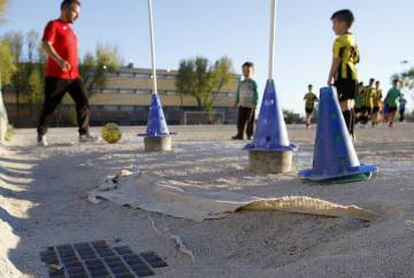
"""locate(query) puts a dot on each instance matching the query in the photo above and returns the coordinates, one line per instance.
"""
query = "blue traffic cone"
(271, 133)
(334, 155)
(156, 125)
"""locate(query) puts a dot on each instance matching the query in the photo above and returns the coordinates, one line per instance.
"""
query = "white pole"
(154, 69)
(272, 38)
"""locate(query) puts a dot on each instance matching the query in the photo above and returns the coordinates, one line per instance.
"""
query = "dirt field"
(43, 202)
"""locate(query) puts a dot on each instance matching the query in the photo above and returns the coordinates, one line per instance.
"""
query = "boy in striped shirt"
(246, 101)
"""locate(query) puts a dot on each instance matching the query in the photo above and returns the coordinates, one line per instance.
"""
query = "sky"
(239, 29)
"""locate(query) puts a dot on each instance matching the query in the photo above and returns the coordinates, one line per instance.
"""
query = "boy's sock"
(347, 117)
(352, 122)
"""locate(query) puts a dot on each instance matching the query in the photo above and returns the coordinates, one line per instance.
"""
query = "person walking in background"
(376, 99)
(310, 100)
(402, 104)
(368, 101)
(391, 101)
(62, 73)
(246, 101)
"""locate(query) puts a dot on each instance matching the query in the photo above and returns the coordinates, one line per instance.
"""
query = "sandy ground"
(43, 202)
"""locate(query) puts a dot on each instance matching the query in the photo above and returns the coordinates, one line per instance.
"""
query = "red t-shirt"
(65, 42)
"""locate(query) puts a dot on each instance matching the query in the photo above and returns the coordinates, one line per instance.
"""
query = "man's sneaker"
(42, 140)
(87, 138)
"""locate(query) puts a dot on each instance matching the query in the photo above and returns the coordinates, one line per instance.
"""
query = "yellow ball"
(111, 133)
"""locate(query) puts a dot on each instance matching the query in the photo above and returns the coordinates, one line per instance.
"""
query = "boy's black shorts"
(393, 109)
(375, 110)
(309, 110)
(347, 89)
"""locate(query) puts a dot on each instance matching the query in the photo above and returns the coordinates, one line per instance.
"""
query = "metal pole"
(272, 38)
(154, 70)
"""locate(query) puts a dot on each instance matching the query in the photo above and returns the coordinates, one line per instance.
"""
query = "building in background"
(125, 100)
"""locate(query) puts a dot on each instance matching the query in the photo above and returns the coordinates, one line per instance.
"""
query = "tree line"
(22, 62)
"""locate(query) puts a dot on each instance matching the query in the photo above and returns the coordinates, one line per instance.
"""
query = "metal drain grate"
(98, 259)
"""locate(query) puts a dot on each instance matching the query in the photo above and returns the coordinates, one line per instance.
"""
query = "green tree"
(18, 80)
(7, 65)
(185, 81)
(197, 78)
(94, 68)
(32, 39)
(292, 117)
(36, 86)
(222, 75)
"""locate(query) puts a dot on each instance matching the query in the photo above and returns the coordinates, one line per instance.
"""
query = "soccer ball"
(111, 133)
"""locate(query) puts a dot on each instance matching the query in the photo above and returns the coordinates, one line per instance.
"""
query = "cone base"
(271, 161)
(362, 172)
(270, 148)
(157, 143)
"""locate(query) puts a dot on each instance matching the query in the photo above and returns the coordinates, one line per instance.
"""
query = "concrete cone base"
(271, 162)
(157, 143)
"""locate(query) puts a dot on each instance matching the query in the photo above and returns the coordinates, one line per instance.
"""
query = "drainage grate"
(98, 259)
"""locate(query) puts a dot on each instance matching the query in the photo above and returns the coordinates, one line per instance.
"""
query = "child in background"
(403, 103)
(246, 101)
(344, 74)
(310, 99)
(367, 101)
(376, 99)
(391, 101)
(358, 102)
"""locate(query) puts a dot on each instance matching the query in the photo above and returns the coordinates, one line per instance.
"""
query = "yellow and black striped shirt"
(310, 99)
(345, 49)
(368, 95)
(377, 98)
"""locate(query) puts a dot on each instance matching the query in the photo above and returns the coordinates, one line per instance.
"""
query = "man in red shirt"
(62, 72)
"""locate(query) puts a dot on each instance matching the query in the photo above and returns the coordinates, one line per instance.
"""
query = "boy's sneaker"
(42, 140)
(236, 137)
(87, 138)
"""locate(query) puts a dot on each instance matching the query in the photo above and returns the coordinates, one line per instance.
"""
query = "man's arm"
(255, 93)
(51, 52)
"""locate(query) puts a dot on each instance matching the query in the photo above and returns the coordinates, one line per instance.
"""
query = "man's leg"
(55, 90)
(78, 93)
(250, 122)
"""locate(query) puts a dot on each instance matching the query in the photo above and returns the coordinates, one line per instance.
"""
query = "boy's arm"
(255, 93)
(237, 96)
(335, 62)
(333, 71)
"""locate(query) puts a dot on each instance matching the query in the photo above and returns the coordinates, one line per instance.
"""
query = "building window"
(141, 75)
(140, 108)
(126, 74)
(126, 91)
(109, 91)
(127, 108)
(142, 92)
(111, 107)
